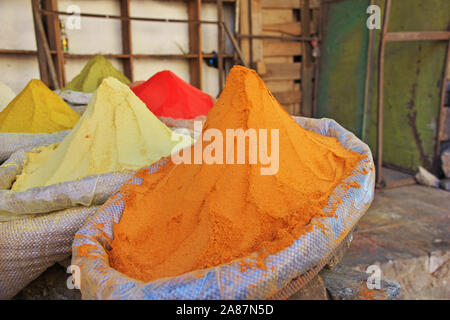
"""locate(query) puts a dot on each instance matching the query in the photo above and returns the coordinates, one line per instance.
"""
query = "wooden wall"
(279, 62)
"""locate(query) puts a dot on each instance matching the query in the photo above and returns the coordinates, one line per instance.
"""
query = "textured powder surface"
(6, 95)
(116, 133)
(93, 73)
(37, 109)
(192, 216)
(167, 95)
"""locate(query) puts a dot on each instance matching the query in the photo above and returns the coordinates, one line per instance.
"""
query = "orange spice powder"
(188, 217)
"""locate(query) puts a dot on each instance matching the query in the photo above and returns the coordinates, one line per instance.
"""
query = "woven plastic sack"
(78, 101)
(74, 97)
(184, 126)
(11, 142)
(78, 109)
(37, 225)
(98, 280)
(182, 123)
(30, 245)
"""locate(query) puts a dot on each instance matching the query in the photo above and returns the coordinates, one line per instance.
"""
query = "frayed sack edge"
(12, 142)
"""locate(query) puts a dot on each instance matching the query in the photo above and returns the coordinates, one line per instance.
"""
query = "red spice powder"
(167, 95)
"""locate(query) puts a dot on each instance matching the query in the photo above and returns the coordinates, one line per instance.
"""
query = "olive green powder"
(93, 73)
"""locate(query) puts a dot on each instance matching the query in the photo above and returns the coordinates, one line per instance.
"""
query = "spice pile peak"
(37, 109)
(116, 133)
(93, 73)
(217, 213)
(167, 95)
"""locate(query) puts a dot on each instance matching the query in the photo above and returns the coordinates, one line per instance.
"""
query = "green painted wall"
(343, 63)
(413, 74)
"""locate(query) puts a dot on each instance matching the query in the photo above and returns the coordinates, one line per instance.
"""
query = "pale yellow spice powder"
(116, 133)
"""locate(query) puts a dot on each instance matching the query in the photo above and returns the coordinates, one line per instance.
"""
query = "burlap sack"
(37, 226)
(182, 123)
(78, 101)
(99, 280)
(79, 109)
(74, 97)
(30, 245)
(11, 142)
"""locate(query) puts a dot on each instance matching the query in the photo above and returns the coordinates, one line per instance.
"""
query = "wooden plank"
(195, 43)
(379, 161)
(314, 4)
(126, 39)
(316, 26)
(204, 1)
(315, 22)
(271, 16)
(448, 72)
(274, 48)
(113, 55)
(256, 29)
(43, 71)
(445, 132)
(41, 37)
(290, 108)
(291, 28)
(244, 26)
(139, 55)
(279, 85)
(220, 45)
(18, 52)
(280, 71)
(441, 113)
(119, 17)
(307, 64)
(289, 4)
(54, 39)
(278, 59)
(287, 97)
(417, 36)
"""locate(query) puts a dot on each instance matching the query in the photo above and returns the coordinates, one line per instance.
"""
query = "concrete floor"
(406, 232)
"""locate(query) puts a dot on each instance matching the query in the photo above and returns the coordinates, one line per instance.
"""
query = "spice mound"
(37, 109)
(167, 95)
(116, 133)
(93, 73)
(6, 95)
(187, 217)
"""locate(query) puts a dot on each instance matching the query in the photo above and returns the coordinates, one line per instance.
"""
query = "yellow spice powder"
(37, 109)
